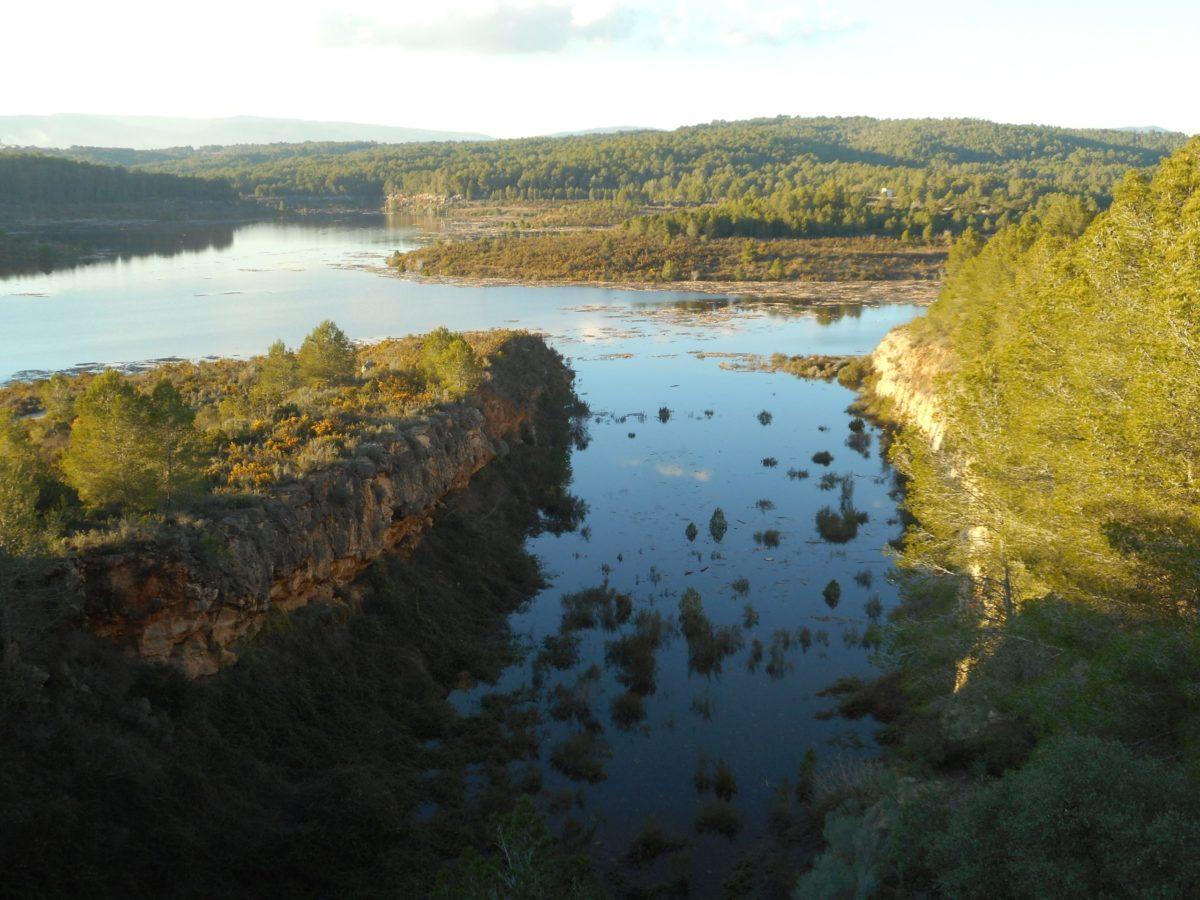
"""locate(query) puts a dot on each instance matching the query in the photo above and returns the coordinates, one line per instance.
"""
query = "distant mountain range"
(1145, 129)
(156, 132)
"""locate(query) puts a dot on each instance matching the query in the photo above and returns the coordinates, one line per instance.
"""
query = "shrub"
(449, 363)
(1083, 818)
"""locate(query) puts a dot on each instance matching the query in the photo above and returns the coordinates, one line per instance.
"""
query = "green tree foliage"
(1085, 817)
(449, 363)
(525, 864)
(759, 178)
(1073, 393)
(327, 356)
(131, 450)
(28, 179)
(605, 255)
(278, 376)
(20, 524)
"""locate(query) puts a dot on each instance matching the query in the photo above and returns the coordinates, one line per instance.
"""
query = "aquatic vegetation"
(718, 817)
(580, 757)
(873, 607)
(821, 636)
(631, 435)
(597, 605)
(832, 593)
(741, 586)
(841, 525)
(558, 651)
(860, 442)
(797, 474)
(633, 654)
(764, 418)
(664, 414)
(804, 638)
(756, 655)
(864, 577)
(707, 646)
(764, 505)
(806, 775)
(749, 617)
(650, 844)
(857, 424)
(822, 457)
(724, 783)
(777, 665)
(573, 703)
(701, 780)
(628, 710)
(829, 480)
(703, 707)
(769, 462)
(768, 538)
(872, 636)
(708, 413)
(718, 525)
(691, 531)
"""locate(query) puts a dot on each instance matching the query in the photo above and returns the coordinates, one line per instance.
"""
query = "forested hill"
(702, 163)
(763, 178)
(34, 181)
(1044, 712)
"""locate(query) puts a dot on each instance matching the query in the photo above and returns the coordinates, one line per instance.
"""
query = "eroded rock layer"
(189, 602)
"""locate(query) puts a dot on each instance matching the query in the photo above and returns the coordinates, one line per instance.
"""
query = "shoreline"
(917, 291)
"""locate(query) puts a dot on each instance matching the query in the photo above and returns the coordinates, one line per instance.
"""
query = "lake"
(674, 436)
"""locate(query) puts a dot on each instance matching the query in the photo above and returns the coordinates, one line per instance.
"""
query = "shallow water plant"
(832, 593)
(718, 524)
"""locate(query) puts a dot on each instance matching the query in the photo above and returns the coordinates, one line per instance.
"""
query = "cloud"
(522, 27)
(503, 28)
(673, 471)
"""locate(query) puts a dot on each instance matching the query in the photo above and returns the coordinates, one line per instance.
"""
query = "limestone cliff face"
(905, 370)
(188, 603)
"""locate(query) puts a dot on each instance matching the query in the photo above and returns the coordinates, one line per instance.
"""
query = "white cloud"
(499, 28)
(514, 27)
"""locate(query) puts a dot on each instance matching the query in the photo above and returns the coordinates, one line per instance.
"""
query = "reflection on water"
(729, 565)
(774, 307)
(77, 246)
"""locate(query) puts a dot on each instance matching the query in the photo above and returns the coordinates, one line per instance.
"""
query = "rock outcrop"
(188, 602)
(904, 374)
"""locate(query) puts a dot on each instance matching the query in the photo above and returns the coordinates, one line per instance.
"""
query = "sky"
(517, 67)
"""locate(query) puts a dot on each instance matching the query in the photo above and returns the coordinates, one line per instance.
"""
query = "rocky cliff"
(189, 600)
(905, 370)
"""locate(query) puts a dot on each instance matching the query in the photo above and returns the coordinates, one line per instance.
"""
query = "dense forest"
(767, 177)
(34, 180)
(1043, 712)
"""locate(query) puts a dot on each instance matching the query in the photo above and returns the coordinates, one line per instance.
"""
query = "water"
(643, 480)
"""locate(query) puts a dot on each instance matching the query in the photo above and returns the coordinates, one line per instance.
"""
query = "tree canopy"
(1073, 394)
(131, 450)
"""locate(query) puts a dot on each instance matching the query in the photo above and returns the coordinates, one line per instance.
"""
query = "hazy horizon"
(509, 68)
(218, 131)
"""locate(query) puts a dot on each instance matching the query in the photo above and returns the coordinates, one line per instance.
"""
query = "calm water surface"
(643, 479)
